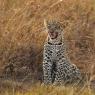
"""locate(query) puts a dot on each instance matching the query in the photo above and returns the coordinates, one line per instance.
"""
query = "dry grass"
(48, 90)
(22, 36)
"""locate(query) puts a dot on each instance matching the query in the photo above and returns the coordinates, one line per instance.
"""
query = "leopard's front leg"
(47, 66)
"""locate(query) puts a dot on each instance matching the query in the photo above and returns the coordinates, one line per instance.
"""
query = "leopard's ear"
(45, 24)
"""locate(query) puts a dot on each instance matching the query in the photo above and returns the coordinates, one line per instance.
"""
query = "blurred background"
(22, 35)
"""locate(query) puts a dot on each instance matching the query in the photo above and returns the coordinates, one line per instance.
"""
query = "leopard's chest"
(54, 51)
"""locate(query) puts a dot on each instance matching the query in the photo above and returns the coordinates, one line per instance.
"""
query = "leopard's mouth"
(53, 35)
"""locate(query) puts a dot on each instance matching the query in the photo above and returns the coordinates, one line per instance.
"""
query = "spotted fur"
(56, 67)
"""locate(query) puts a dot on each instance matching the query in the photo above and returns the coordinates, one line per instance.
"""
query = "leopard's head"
(53, 28)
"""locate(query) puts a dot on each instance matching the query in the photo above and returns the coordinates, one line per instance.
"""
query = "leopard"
(57, 68)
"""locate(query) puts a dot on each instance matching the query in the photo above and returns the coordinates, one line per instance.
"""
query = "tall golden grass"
(22, 33)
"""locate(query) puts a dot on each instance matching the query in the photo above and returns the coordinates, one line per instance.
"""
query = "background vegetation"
(22, 36)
